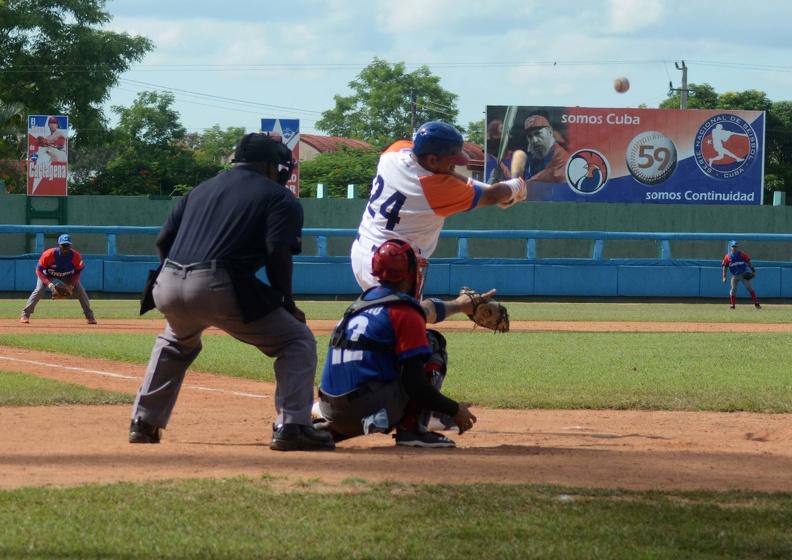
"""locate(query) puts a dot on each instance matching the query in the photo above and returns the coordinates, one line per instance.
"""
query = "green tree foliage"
(12, 125)
(214, 146)
(56, 58)
(701, 96)
(475, 132)
(336, 170)
(149, 155)
(778, 127)
(379, 110)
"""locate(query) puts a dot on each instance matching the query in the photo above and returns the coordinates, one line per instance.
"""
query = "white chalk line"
(132, 377)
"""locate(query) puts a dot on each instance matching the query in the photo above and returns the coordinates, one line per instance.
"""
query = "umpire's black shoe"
(141, 431)
(295, 437)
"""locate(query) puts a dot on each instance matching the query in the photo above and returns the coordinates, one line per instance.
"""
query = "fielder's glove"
(489, 314)
(748, 275)
(60, 290)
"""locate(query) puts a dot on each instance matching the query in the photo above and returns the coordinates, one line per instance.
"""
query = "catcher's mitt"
(489, 314)
(748, 275)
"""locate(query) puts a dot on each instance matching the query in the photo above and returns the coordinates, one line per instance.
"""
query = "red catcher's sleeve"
(410, 330)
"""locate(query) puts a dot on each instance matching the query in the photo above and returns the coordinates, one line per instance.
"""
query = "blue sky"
(231, 63)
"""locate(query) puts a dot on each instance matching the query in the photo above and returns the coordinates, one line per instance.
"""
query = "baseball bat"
(508, 122)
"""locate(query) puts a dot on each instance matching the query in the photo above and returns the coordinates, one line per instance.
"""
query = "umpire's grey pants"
(38, 293)
(193, 300)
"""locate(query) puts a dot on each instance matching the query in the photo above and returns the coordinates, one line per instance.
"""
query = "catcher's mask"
(262, 147)
(395, 261)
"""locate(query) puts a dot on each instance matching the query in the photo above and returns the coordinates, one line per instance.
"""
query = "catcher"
(384, 370)
(58, 270)
(742, 270)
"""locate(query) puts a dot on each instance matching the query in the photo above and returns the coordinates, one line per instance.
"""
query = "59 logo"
(651, 157)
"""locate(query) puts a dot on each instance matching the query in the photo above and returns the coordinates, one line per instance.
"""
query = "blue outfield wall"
(323, 274)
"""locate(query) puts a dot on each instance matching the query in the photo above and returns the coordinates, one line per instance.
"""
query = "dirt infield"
(221, 427)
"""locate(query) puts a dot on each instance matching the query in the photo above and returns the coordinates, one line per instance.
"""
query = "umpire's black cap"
(261, 147)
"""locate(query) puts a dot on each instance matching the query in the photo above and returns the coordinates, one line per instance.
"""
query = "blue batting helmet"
(441, 139)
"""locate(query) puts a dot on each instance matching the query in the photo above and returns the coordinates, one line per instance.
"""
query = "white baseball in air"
(621, 84)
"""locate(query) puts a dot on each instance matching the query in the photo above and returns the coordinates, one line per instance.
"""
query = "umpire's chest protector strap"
(341, 340)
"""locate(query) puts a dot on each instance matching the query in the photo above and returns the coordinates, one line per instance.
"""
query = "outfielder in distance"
(415, 190)
(58, 270)
(384, 370)
(739, 264)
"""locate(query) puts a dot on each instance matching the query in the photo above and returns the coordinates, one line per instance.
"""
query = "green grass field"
(272, 518)
(666, 371)
(709, 312)
(17, 389)
(244, 518)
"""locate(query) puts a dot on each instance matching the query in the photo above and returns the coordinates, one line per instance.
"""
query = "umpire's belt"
(206, 265)
(350, 396)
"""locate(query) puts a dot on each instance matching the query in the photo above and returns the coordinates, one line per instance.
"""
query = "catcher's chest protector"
(342, 341)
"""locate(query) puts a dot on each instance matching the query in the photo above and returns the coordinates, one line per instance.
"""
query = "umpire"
(211, 246)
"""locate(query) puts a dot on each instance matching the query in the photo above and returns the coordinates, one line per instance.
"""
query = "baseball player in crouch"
(384, 370)
(739, 264)
(58, 270)
(415, 190)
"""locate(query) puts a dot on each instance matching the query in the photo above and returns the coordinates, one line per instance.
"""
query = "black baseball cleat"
(296, 437)
(141, 431)
(422, 438)
(756, 305)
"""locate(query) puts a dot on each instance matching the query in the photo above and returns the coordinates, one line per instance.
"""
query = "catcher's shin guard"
(436, 367)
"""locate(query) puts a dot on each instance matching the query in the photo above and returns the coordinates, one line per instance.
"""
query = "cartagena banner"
(654, 156)
(48, 155)
(289, 130)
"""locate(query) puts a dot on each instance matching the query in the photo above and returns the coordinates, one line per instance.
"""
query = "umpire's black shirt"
(243, 220)
(232, 218)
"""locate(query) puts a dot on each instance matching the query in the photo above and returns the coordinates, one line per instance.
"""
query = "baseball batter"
(415, 190)
(58, 270)
(739, 264)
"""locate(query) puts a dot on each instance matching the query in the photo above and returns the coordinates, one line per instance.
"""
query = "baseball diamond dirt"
(221, 426)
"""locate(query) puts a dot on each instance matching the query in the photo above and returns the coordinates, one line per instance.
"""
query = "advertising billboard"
(47, 155)
(652, 156)
(289, 130)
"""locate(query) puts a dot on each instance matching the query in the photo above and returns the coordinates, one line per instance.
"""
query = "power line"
(222, 98)
(743, 66)
(226, 108)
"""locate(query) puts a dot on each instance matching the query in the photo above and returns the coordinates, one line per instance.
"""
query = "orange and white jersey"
(411, 203)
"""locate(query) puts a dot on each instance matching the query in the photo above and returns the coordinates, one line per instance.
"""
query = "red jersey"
(54, 264)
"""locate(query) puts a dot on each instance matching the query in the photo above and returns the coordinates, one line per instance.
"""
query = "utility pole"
(683, 94)
(684, 91)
